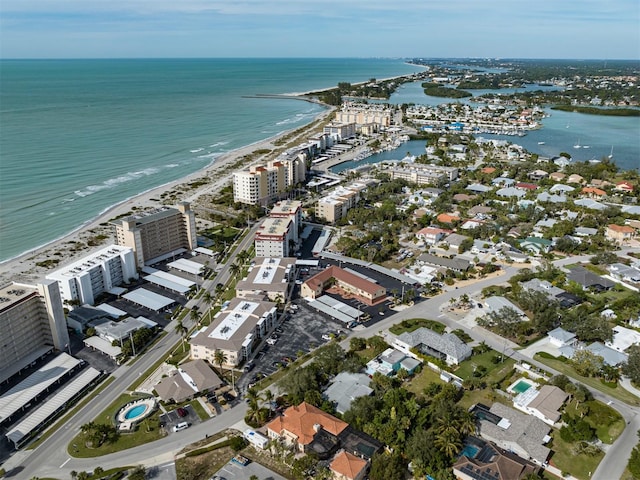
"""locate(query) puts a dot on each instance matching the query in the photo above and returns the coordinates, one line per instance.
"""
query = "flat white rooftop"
(148, 299)
(89, 262)
(233, 320)
(167, 283)
(267, 271)
(104, 346)
(35, 384)
(112, 311)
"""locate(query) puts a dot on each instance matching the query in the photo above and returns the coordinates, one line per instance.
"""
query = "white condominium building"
(275, 238)
(154, 233)
(268, 277)
(95, 274)
(365, 114)
(32, 324)
(234, 331)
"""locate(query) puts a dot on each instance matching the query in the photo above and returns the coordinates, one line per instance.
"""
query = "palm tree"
(219, 357)
(267, 395)
(448, 442)
(181, 330)
(208, 299)
(234, 269)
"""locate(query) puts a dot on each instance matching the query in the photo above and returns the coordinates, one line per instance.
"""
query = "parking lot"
(301, 332)
(171, 418)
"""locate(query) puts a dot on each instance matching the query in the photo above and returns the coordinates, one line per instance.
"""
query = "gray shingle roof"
(446, 343)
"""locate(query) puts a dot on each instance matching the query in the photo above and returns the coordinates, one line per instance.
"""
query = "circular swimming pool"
(135, 412)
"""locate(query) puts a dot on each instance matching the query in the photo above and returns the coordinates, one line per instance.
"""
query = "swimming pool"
(470, 451)
(521, 386)
(135, 412)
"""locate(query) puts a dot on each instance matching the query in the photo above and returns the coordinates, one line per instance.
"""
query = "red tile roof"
(300, 421)
(621, 228)
(347, 465)
(343, 276)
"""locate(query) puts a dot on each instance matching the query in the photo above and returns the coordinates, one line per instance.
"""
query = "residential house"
(345, 388)
(387, 363)
(538, 175)
(526, 186)
(585, 232)
(560, 187)
(478, 188)
(188, 380)
(524, 435)
(546, 197)
(590, 204)
(447, 219)
(536, 245)
(575, 178)
(587, 279)
(561, 338)
(557, 176)
(346, 466)
(623, 338)
(491, 462)
(621, 234)
(503, 181)
(497, 303)
(447, 347)
(624, 273)
(593, 192)
(609, 355)
(432, 235)
(463, 197)
(544, 404)
(456, 264)
(454, 240)
(307, 429)
(480, 210)
(624, 186)
(510, 192)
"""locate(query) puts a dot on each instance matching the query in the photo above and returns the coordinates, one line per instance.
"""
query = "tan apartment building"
(351, 284)
(268, 277)
(32, 324)
(365, 114)
(262, 184)
(339, 130)
(335, 205)
(154, 233)
(234, 331)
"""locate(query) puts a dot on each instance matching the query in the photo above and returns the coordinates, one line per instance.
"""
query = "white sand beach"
(71, 247)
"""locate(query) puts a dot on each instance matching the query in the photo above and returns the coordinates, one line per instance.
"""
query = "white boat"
(540, 143)
(586, 146)
(611, 154)
(577, 145)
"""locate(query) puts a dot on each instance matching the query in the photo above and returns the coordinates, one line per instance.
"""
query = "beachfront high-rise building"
(32, 324)
(158, 232)
(262, 184)
(335, 205)
(83, 281)
(340, 131)
(234, 331)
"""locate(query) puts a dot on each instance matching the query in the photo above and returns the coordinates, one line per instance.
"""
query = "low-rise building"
(335, 205)
(346, 466)
(188, 380)
(621, 234)
(269, 277)
(561, 338)
(497, 303)
(349, 283)
(345, 388)
(432, 235)
(234, 331)
(490, 462)
(545, 403)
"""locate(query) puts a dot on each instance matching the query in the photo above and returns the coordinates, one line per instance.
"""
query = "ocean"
(79, 136)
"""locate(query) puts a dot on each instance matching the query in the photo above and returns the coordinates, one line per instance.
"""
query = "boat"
(577, 145)
(540, 143)
(611, 154)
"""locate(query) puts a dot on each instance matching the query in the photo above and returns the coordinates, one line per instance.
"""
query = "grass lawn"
(419, 382)
(148, 431)
(616, 392)
(466, 368)
(367, 354)
(608, 423)
(414, 323)
(566, 460)
(197, 406)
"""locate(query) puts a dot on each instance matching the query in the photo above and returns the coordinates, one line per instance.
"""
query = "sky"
(599, 29)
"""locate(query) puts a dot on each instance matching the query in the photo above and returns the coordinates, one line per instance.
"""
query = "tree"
(386, 466)
(219, 358)
(587, 363)
(208, 299)
(181, 330)
(234, 269)
(632, 368)
(98, 471)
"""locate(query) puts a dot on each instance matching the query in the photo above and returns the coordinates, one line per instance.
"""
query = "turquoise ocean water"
(79, 136)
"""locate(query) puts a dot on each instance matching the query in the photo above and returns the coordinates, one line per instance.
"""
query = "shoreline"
(23, 267)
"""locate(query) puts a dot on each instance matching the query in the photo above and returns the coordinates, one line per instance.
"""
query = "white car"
(272, 341)
(327, 336)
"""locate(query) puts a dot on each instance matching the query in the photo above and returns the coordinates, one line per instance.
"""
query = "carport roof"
(148, 299)
(329, 311)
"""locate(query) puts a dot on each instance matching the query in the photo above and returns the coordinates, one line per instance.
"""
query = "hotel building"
(377, 115)
(32, 324)
(157, 232)
(95, 274)
(278, 233)
(234, 331)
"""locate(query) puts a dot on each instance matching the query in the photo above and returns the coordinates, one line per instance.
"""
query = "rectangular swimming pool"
(521, 386)
(470, 451)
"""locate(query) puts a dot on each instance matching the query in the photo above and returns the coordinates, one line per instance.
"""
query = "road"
(51, 458)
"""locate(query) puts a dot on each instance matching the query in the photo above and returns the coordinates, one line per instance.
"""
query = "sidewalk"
(625, 382)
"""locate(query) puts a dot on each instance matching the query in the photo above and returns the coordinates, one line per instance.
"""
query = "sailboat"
(577, 145)
(611, 154)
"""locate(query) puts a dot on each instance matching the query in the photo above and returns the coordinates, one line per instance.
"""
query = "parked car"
(182, 412)
(248, 367)
(272, 341)
(327, 336)
(180, 426)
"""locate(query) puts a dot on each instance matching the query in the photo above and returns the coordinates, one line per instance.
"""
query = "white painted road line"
(66, 461)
